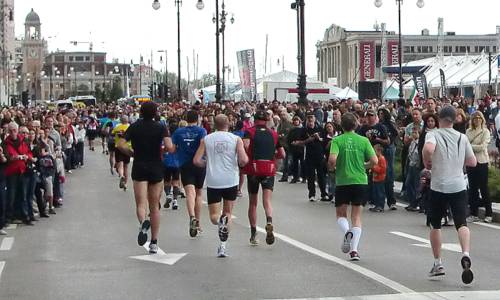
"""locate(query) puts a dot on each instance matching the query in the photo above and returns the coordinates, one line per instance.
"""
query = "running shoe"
(269, 234)
(174, 204)
(393, 207)
(142, 238)
(325, 198)
(153, 248)
(193, 230)
(472, 219)
(354, 256)
(346, 244)
(52, 211)
(168, 201)
(467, 275)
(376, 209)
(437, 270)
(221, 250)
(122, 182)
(488, 219)
(3, 232)
(223, 228)
(253, 240)
(283, 179)
(312, 199)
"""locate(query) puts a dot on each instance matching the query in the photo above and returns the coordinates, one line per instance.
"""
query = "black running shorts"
(192, 175)
(152, 172)
(120, 157)
(439, 203)
(217, 195)
(170, 173)
(355, 194)
(253, 183)
(111, 147)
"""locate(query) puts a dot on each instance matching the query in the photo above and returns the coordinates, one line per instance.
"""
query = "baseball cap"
(448, 113)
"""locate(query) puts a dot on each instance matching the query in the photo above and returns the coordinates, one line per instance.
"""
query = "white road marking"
(7, 243)
(11, 226)
(427, 243)
(455, 295)
(161, 257)
(2, 265)
(363, 271)
(487, 225)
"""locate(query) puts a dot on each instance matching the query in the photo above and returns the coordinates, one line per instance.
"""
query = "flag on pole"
(414, 97)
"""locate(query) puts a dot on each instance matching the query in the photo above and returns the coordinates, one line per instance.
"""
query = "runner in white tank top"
(224, 154)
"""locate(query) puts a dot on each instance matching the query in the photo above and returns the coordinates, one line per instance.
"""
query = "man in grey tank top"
(222, 153)
(445, 153)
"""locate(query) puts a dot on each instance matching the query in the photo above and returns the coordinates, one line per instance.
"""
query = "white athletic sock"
(343, 224)
(356, 236)
(466, 254)
(437, 261)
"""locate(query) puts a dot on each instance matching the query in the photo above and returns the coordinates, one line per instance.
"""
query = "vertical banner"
(366, 60)
(392, 53)
(443, 83)
(421, 85)
(246, 66)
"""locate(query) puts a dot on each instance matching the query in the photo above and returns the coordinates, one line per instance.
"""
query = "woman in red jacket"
(18, 155)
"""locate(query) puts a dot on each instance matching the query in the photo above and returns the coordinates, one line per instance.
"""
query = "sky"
(125, 29)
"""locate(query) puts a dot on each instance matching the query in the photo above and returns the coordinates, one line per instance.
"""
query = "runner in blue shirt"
(185, 142)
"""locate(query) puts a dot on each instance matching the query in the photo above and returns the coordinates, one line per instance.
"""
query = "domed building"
(34, 51)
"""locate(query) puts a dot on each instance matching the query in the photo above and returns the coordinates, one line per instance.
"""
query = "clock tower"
(34, 51)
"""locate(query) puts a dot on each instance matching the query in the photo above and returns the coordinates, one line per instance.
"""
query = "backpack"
(261, 151)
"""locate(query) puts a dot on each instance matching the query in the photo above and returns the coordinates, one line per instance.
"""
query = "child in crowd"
(379, 173)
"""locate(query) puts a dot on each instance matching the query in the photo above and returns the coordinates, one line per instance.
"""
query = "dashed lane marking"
(2, 265)
(7, 243)
(426, 243)
(356, 268)
(454, 295)
(487, 225)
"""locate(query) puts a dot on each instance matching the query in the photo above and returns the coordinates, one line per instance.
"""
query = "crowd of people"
(338, 148)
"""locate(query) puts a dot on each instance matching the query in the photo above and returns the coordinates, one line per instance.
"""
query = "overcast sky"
(125, 29)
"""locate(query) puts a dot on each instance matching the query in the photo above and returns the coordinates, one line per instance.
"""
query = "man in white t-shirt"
(497, 130)
(445, 153)
(224, 154)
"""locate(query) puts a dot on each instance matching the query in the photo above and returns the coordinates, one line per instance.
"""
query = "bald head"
(221, 122)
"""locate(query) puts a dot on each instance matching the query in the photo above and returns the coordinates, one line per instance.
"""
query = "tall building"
(34, 50)
(348, 58)
(6, 47)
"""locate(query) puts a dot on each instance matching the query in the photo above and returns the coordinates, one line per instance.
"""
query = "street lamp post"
(166, 73)
(222, 30)
(200, 6)
(299, 6)
(156, 6)
(420, 4)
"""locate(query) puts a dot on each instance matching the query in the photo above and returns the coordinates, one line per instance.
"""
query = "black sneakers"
(467, 275)
(142, 238)
(193, 227)
(269, 234)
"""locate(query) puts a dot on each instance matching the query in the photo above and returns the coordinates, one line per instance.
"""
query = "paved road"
(86, 252)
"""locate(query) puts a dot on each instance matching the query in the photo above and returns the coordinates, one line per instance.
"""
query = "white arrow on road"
(427, 243)
(161, 257)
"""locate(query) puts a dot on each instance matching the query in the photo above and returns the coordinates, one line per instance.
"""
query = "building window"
(419, 49)
(468, 49)
(431, 49)
(79, 58)
(407, 49)
(476, 49)
(495, 49)
(71, 58)
(457, 49)
(488, 49)
(378, 56)
(462, 49)
(425, 49)
(87, 58)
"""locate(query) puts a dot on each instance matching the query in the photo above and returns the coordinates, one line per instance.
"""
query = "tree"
(116, 91)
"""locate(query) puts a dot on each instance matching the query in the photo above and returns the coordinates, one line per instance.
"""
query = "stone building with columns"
(346, 58)
(6, 49)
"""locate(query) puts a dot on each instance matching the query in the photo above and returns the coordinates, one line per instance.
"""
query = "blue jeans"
(3, 202)
(389, 154)
(378, 194)
(30, 192)
(412, 179)
(16, 194)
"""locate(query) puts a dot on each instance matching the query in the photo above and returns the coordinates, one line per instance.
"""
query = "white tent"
(347, 93)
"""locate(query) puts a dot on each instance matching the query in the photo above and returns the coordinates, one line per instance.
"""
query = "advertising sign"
(367, 60)
(392, 53)
(248, 78)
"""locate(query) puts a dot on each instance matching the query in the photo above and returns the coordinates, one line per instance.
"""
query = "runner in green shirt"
(351, 155)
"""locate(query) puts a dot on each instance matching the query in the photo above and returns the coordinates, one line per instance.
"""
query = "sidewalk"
(496, 206)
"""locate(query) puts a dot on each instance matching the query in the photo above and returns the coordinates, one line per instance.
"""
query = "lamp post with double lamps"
(200, 6)
(420, 4)
(222, 30)
(156, 6)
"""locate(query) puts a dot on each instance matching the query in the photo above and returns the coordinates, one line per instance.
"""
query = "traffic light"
(168, 92)
(150, 90)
